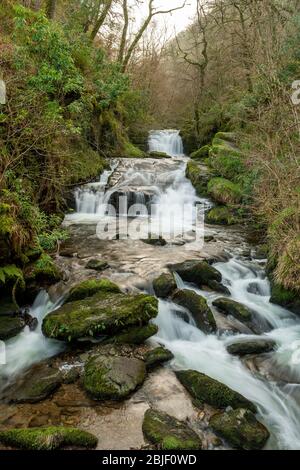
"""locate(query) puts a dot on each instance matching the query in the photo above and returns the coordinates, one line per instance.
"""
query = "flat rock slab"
(38, 383)
(100, 315)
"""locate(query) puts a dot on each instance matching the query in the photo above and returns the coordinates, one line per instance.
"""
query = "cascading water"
(277, 402)
(167, 141)
(30, 347)
(207, 353)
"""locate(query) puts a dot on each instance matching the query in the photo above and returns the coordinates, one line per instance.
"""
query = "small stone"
(97, 265)
(157, 356)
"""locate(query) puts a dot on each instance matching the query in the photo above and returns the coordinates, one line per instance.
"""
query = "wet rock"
(203, 152)
(207, 390)
(90, 287)
(43, 271)
(231, 307)
(218, 287)
(254, 288)
(103, 314)
(285, 298)
(157, 356)
(10, 326)
(220, 215)
(198, 307)
(136, 335)
(197, 272)
(155, 241)
(240, 429)
(50, 438)
(39, 383)
(159, 155)
(209, 238)
(164, 285)
(113, 377)
(97, 265)
(251, 346)
(169, 433)
(70, 375)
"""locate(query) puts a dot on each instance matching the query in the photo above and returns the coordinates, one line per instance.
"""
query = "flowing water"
(163, 184)
(167, 141)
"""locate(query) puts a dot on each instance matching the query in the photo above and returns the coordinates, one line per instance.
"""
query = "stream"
(272, 380)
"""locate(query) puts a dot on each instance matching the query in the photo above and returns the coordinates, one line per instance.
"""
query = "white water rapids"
(278, 403)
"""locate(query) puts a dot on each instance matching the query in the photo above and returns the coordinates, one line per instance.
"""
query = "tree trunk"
(50, 9)
(101, 19)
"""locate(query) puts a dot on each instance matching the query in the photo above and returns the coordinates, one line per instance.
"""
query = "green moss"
(226, 159)
(97, 265)
(91, 287)
(289, 299)
(7, 224)
(168, 432)
(11, 274)
(203, 152)
(220, 215)
(131, 151)
(197, 272)
(199, 177)
(113, 377)
(134, 335)
(49, 438)
(207, 390)
(227, 136)
(105, 313)
(241, 429)
(164, 285)
(159, 155)
(157, 356)
(44, 269)
(198, 307)
(224, 191)
(231, 307)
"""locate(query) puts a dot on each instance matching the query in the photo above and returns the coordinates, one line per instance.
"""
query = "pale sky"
(179, 19)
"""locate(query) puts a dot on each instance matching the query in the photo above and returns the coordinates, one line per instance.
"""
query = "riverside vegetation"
(81, 94)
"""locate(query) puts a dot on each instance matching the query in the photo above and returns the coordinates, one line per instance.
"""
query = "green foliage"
(49, 438)
(11, 274)
(224, 191)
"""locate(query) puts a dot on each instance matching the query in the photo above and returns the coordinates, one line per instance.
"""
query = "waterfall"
(167, 141)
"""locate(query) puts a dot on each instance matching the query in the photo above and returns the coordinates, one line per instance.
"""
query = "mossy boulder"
(159, 155)
(10, 326)
(203, 152)
(207, 390)
(198, 307)
(251, 346)
(236, 309)
(134, 335)
(224, 191)
(288, 299)
(43, 270)
(38, 383)
(169, 433)
(226, 158)
(157, 356)
(240, 429)
(50, 438)
(104, 314)
(220, 215)
(164, 285)
(113, 377)
(91, 287)
(197, 272)
(227, 136)
(199, 177)
(97, 265)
